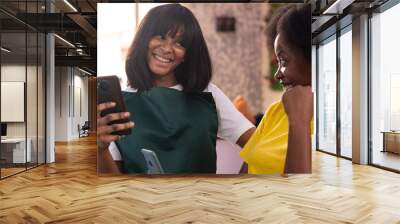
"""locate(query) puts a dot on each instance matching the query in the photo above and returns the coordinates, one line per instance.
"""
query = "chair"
(84, 130)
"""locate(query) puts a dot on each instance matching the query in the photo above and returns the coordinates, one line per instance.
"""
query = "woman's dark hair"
(194, 73)
(273, 23)
(294, 26)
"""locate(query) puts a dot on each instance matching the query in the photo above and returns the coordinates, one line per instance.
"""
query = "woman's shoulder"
(275, 107)
(212, 88)
(276, 104)
(216, 92)
(219, 96)
(128, 94)
(128, 90)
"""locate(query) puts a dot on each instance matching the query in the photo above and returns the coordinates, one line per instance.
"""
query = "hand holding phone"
(112, 117)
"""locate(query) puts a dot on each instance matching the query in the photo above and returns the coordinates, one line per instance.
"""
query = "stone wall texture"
(240, 59)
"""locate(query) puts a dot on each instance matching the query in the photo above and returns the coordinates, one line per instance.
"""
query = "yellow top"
(265, 152)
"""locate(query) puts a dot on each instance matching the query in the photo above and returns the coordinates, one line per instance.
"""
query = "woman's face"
(293, 68)
(165, 54)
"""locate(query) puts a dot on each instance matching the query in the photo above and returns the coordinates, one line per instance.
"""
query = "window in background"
(22, 107)
(314, 89)
(14, 151)
(326, 101)
(346, 92)
(32, 97)
(385, 88)
(116, 26)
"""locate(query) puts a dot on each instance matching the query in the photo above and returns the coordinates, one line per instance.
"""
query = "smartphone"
(109, 90)
(152, 162)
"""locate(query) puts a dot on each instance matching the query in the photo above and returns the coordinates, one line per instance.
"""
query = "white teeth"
(164, 60)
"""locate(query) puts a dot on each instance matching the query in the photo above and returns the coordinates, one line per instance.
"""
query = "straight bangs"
(170, 22)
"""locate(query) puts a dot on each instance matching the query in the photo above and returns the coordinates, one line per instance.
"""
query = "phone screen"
(152, 162)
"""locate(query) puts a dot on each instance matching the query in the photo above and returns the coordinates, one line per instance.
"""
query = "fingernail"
(131, 124)
(126, 114)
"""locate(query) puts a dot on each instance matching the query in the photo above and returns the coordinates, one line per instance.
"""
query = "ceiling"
(74, 21)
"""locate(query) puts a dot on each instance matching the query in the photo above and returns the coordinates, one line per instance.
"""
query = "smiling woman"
(178, 113)
(169, 32)
(293, 70)
(282, 141)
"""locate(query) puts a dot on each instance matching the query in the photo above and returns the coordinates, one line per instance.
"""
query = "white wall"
(61, 103)
(33, 126)
(71, 94)
(13, 73)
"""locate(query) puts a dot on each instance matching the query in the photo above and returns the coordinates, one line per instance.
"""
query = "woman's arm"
(242, 141)
(298, 103)
(244, 168)
(298, 158)
(245, 137)
(232, 126)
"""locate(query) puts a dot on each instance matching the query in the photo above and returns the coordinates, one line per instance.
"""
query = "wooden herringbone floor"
(69, 191)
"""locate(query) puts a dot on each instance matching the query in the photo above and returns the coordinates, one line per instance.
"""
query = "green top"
(181, 128)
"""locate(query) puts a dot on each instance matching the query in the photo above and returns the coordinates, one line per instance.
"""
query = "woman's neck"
(165, 80)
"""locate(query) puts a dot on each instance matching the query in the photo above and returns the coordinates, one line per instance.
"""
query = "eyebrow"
(179, 37)
(176, 36)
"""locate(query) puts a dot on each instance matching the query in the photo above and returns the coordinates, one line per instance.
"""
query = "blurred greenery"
(274, 84)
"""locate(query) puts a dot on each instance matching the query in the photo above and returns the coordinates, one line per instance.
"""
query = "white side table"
(19, 155)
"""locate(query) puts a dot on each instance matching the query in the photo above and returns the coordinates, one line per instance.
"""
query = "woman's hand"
(104, 129)
(298, 103)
